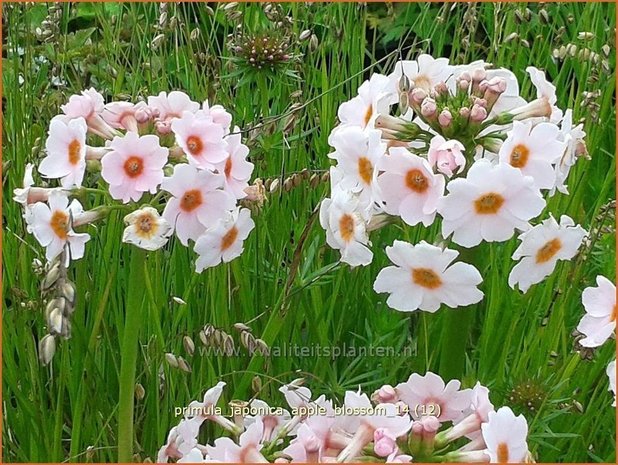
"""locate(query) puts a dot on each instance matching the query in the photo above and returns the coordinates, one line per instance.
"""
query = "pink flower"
(219, 115)
(133, 166)
(247, 451)
(201, 139)
(121, 115)
(599, 322)
(505, 435)
(198, 201)
(428, 395)
(236, 169)
(408, 187)
(89, 106)
(66, 152)
(170, 106)
(374, 97)
(224, 241)
(446, 155)
(52, 226)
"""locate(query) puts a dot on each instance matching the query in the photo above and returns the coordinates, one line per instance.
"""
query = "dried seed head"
(306, 34)
(67, 290)
(47, 349)
(585, 35)
(313, 43)
(183, 365)
(229, 345)
(274, 185)
(256, 384)
(203, 337)
(209, 330)
(195, 34)
(261, 347)
(51, 277)
(55, 321)
(189, 345)
(314, 180)
(140, 392)
(544, 16)
(171, 359)
(242, 327)
(179, 301)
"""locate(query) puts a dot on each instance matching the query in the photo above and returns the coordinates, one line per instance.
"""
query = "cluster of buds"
(421, 420)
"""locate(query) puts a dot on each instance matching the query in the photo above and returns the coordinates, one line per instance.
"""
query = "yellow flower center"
(417, 181)
(230, 237)
(146, 225)
(519, 156)
(426, 277)
(488, 204)
(191, 200)
(550, 249)
(365, 169)
(60, 224)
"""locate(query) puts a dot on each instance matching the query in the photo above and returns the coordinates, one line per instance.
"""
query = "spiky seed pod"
(47, 349)
(189, 345)
(527, 395)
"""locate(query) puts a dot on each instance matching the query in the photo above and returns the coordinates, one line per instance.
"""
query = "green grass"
(287, 282)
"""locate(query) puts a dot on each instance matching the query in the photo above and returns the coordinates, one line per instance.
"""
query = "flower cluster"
(599, 322)
(422, 419)
(173, 165)
(465, 148)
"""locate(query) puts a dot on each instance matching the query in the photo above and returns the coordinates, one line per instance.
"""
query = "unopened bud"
(445, 118)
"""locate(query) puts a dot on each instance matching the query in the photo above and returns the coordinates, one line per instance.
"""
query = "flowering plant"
(422, 418)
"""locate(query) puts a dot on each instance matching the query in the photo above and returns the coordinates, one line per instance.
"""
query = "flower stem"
(129, 349)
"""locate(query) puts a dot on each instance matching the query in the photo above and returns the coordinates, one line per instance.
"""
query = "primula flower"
(357, 153)
(194, 456)
(599, 322)
(428, 395)
(52, 226)
(408, 187)
(446, 155)
(534, 150)
(122, 115)
(197, 201)
(611, 374)
(573, 136)
(181, 440)
(374, 97)
(170, 106)
(247, 451)
(489, 204)
(66, 152)
(296, 396)
(545, 90)
(201, 139)
(345, 219)
(219, 115)
(29, 193)
(540, 249)
(146, 229)
(223, 242)
(89, 105)
(133, 166)
(236, 169)
(271, 421)
(423, 278)
(424, 72)
(469, 423)
(505, 435)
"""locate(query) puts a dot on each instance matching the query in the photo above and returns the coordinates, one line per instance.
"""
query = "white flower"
(201, 139)
(247, 451)
(193, 456)
(489, 204)
(540, 249)
(357, 153)
(272, 418)
(611, 374)
(446, 155)
(172, 105)
(66, 151)
(599, 323)
(408, 187)
(534, 150)
(573, 136)
(146, 229)
(197, 202)
(223, 241)
(345, 220)
(236, 169)
(545, 90)
(424, 72)
(374, 97)
(423, 278)
(51, 226)
(219, 115)
(428, 395)
(505, 436)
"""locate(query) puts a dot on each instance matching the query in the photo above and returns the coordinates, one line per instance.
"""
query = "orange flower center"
(74, 149)
(229, 238)
(550, 249)
(417, 181)
(60, 224)
(368, 115)
(191, 200)
(228, 167)
(146, 226)
(194, 144)
(365, 169)
(488, 204)
(426, 278)
(613, 317)
(134, 166)
(503, 453)
(346, 227)
(519, 156)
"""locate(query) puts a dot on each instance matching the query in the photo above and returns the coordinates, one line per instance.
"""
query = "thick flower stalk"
(422, 419)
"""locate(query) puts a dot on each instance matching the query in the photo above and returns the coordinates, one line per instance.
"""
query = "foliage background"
(287, 284)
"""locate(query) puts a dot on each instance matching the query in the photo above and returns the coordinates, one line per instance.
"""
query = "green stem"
(129, 350)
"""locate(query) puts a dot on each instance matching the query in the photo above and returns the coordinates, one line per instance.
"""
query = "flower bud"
(445, 118)
(47, 349)
(478, 113)
(417, 95)
(428, 108)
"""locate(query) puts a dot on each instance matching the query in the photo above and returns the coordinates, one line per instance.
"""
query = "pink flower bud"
(478, 74)
(428, 108)
(465, 76)
(446, 156)
(480, 102)
(463, 84)
(445, 118)
(418, 95)
(386, 394)
(478, 113)
(163, 127)
(464, 112)
(440, 88)
(384, 446)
